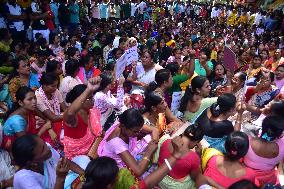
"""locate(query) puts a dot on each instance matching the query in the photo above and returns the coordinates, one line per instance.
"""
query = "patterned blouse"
(106, 101)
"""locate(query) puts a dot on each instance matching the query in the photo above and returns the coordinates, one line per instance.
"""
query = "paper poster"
(120, 66)
(126, 59)
(229, 59)
(176, 97)
(131, 55)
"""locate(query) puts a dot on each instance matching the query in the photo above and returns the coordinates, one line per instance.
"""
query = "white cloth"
(144, 77)
(67, 84)
(16, 11)
(7, 170)
(133, 8)
(141, 7)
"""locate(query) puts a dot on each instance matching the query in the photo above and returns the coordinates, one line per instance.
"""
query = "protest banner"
(176, 97)
(120, 66)
(129, 56)
(229, 59)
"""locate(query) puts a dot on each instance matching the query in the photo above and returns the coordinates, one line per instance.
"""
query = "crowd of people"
(184, 114)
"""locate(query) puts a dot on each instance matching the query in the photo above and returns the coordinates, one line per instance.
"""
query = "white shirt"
(133, 8)
(16, 10)
(141, 7)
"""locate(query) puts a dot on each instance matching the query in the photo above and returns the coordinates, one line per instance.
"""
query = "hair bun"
(215, 109)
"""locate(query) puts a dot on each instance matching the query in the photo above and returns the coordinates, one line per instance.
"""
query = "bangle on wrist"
(146, 158)
(168, 164)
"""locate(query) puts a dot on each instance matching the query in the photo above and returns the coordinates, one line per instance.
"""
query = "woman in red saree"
(22, 119)
(78, 132)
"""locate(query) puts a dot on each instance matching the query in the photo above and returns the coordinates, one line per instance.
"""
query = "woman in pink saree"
(120, 143)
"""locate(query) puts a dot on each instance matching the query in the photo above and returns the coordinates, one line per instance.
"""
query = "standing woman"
(22, 77)
(106, 102)
(51, 104)
(78, 134)
(195, 100)
(19, 121)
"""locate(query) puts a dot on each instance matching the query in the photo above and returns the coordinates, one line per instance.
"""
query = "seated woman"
(266, 151)
(237, 84)
(143, 73)
(22, 119)
(71, 79)
(113, 177)
(106, 102)
(187, 169)
(226, 170)
(120, 143)
(154, 115)
(163, 82)
(279, 78)
(78, 133)
(215, 123)
(37, 163)
(194, 101)
(55, 67)
(51, 104)
(22, 77)
(218, 78)
(87, 69)
(260, 95)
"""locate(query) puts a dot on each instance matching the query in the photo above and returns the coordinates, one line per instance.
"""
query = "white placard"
(176, 97)
(131, 55)
(126, 59)
(120, 66)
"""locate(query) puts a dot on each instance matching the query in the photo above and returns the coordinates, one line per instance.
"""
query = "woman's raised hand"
(94, 83)
(177, 144)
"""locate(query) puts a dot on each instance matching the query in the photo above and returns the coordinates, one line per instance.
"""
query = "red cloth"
(264, 177)
(213, 172)
(183, 167)
(249, 93)
(49, 19)
(76, 132)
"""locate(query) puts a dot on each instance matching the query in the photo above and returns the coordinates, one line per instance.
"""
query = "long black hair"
(272, 127)
(194, 132)
(196, 83)
(131, 118)
(224, 104)
(236, 145)
(161, 77)
(100, 172)
(75, 93)
(106, 79)
(152, 99)
(22, 149)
